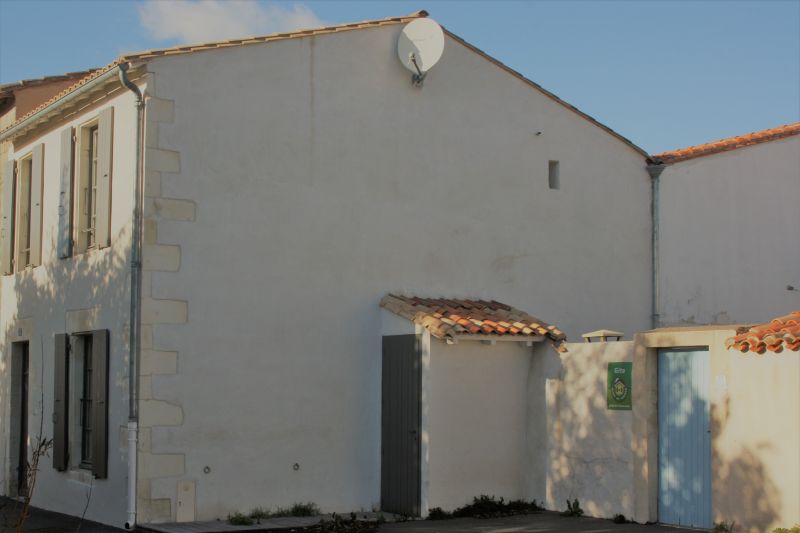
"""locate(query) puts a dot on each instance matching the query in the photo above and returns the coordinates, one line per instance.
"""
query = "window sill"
(80, 475)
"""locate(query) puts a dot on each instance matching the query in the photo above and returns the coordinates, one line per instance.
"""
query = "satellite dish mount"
(418, 77)
(420, 47)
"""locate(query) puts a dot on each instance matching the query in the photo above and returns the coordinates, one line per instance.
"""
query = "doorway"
(20, 364)
(400, 425)
(684, 437)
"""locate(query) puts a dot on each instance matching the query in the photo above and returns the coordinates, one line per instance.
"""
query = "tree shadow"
(589, 449)
(34, 308)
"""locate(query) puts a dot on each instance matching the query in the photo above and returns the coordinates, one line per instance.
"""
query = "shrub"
(304, 509)
(573, 508)
(239, 519)
(438, 514)
(795, 529)
(619, 519)
(259, 512)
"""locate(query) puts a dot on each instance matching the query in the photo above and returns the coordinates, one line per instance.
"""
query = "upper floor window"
(21, 224)
(23, 208)
(87, 187)
(84, 201)
(553, 175)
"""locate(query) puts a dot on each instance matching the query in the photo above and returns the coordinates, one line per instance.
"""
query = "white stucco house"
(228, 267)
(728, 226)
(285, 185)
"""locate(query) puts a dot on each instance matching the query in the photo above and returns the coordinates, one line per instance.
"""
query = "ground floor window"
(80, 413)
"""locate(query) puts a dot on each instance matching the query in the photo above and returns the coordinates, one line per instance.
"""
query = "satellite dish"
(420, 47)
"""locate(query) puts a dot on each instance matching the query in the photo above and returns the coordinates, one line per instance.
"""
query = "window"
(553, 178)
(24, 213)
(21, 225)
(80, 412)
(92, 189)
(87, 189)
(86, 403)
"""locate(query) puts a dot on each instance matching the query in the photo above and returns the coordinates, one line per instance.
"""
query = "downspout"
(655, 171)
(136, 298)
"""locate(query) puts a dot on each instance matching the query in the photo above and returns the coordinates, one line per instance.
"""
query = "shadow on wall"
(753, 499)
(96, 279)
(588, 447)
(740, 490)
(580, 449)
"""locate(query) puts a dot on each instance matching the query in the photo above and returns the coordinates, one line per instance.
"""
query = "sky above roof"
(665, 74)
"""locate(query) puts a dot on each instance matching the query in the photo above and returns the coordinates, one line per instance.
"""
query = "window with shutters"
(80, 412)
(92, 190)
(23, 211)
(87, 188)
(86, 403)
(21, 222)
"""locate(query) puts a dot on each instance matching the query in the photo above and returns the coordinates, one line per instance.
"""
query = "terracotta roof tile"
(21, 84)
(774, 336)
(449, 318)
(724, 145)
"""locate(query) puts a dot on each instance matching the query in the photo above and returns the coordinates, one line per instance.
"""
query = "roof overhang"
(84, 96)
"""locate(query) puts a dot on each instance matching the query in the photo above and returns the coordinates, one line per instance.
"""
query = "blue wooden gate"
(684, 438)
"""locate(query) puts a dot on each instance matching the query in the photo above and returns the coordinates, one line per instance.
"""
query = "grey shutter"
(61, 392)
(104, 148)
(37, 173)
(100, 403)
(65, 195)
(7, 224)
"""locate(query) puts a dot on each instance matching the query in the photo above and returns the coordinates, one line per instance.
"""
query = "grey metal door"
(684, 438)
(400, 424)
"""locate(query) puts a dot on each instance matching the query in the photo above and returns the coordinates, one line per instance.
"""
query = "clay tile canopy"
(779, 333)
(724, 145)
(448, 318)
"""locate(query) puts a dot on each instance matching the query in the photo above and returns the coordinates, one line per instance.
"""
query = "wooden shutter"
(37, 174)
(7, 223)
(61, 392)
(104, 160)
(65, 195)
(100, 403)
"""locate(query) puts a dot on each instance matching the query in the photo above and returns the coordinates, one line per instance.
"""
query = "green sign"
(620, 390)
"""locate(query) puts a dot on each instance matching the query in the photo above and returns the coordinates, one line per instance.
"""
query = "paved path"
(40, 521)
(548, 522)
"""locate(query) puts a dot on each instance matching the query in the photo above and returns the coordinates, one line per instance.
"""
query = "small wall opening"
(553, 175)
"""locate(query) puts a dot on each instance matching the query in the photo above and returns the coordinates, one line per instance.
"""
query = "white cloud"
(196, 21)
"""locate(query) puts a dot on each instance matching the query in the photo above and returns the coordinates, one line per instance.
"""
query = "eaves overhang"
(90, 92)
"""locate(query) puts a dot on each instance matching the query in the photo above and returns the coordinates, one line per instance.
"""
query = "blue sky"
(665, 74)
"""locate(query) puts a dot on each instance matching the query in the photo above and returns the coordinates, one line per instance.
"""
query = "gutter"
(136, 298)
(77, 93)
(655, 171)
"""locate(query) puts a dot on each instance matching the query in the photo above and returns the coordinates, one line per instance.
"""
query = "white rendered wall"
(476, 422)
(729, 228)
(577, 448)
(88, 291)
(322, 180)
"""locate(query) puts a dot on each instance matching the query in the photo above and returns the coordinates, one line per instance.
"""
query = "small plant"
(573, 508)
(619, 518)
(438, 514)
(259, 513)
(304, 509)
(723, 527)
(795, 529)
(239, 519)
